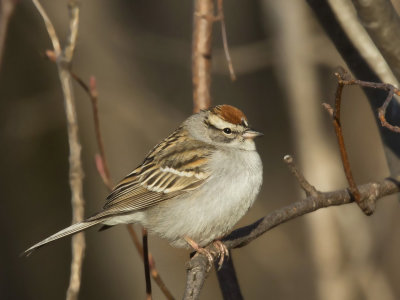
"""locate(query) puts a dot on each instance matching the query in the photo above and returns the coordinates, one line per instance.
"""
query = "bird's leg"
(200, 250)
(222, 252)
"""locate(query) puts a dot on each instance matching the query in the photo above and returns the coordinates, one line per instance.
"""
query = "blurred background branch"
(6, 10)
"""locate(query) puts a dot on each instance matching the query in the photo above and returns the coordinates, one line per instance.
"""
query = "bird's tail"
(75, 228)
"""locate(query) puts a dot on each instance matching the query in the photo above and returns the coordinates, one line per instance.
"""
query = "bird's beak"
(251, 134)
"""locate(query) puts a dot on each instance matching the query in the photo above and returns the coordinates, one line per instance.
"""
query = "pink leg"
(222, 252)
(201, 250)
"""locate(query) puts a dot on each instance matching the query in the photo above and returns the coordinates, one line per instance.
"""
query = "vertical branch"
(201, 53)
(339, 134)
(76, 171)
(146, 263)
(63, 60)
(201, 76)
(76, 177)
(228, 281)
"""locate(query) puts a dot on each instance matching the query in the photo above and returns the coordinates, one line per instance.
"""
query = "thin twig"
(146, 263)
(342, 147)
(225, 39)
(370, 193)
(101, 164)
(335, 113)
(153, 270)
(73, 10)
(50, 28)
(392, 90)
(359, 67)
(309, 189)
(91, 90)
(76, 172)
(342, 81)
(382, 112)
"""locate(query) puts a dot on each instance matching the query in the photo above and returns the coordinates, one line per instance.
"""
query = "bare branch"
(309, 189)
(146, 263)
(201, 53)
(342, 81)
(63, 61)
(383, 25)
(360, 68)
(225, 39)
(347, 16)
(101, 162)
(201, 77)
(342, 147)
(227, 280)
(154, 273)
(73, 10)
(49, 27)
(392, 90)
(370, 193)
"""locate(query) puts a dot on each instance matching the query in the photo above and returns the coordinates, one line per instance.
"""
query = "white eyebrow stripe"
(221, 124)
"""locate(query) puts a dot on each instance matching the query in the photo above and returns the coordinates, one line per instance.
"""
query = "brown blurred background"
(140, 53)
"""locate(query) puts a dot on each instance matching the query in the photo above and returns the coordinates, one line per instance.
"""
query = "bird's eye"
(227, 130)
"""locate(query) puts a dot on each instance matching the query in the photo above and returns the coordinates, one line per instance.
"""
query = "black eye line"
(211, 126)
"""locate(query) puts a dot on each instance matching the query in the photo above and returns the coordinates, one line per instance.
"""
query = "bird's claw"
(222, 252)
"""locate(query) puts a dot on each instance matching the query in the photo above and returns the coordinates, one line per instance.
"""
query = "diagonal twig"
(102, 168)
(91, 90)
(309, 189)
(49, 27)
(391, 89)
(225, 39)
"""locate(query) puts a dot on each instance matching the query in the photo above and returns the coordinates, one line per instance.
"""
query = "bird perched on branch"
(192, 187)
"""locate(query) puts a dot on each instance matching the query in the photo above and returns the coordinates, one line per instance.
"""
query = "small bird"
(192, 188)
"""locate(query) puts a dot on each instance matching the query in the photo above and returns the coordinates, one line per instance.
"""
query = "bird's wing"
(173, 167)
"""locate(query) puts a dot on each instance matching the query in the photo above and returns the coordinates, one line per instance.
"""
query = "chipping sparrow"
(192, 188)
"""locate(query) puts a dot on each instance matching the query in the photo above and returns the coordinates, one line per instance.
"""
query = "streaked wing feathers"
(174, 166)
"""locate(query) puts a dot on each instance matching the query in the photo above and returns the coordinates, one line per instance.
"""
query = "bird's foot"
(201, 250)
(222, 252)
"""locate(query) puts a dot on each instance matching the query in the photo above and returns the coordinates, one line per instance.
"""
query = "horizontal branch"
(370, 193)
